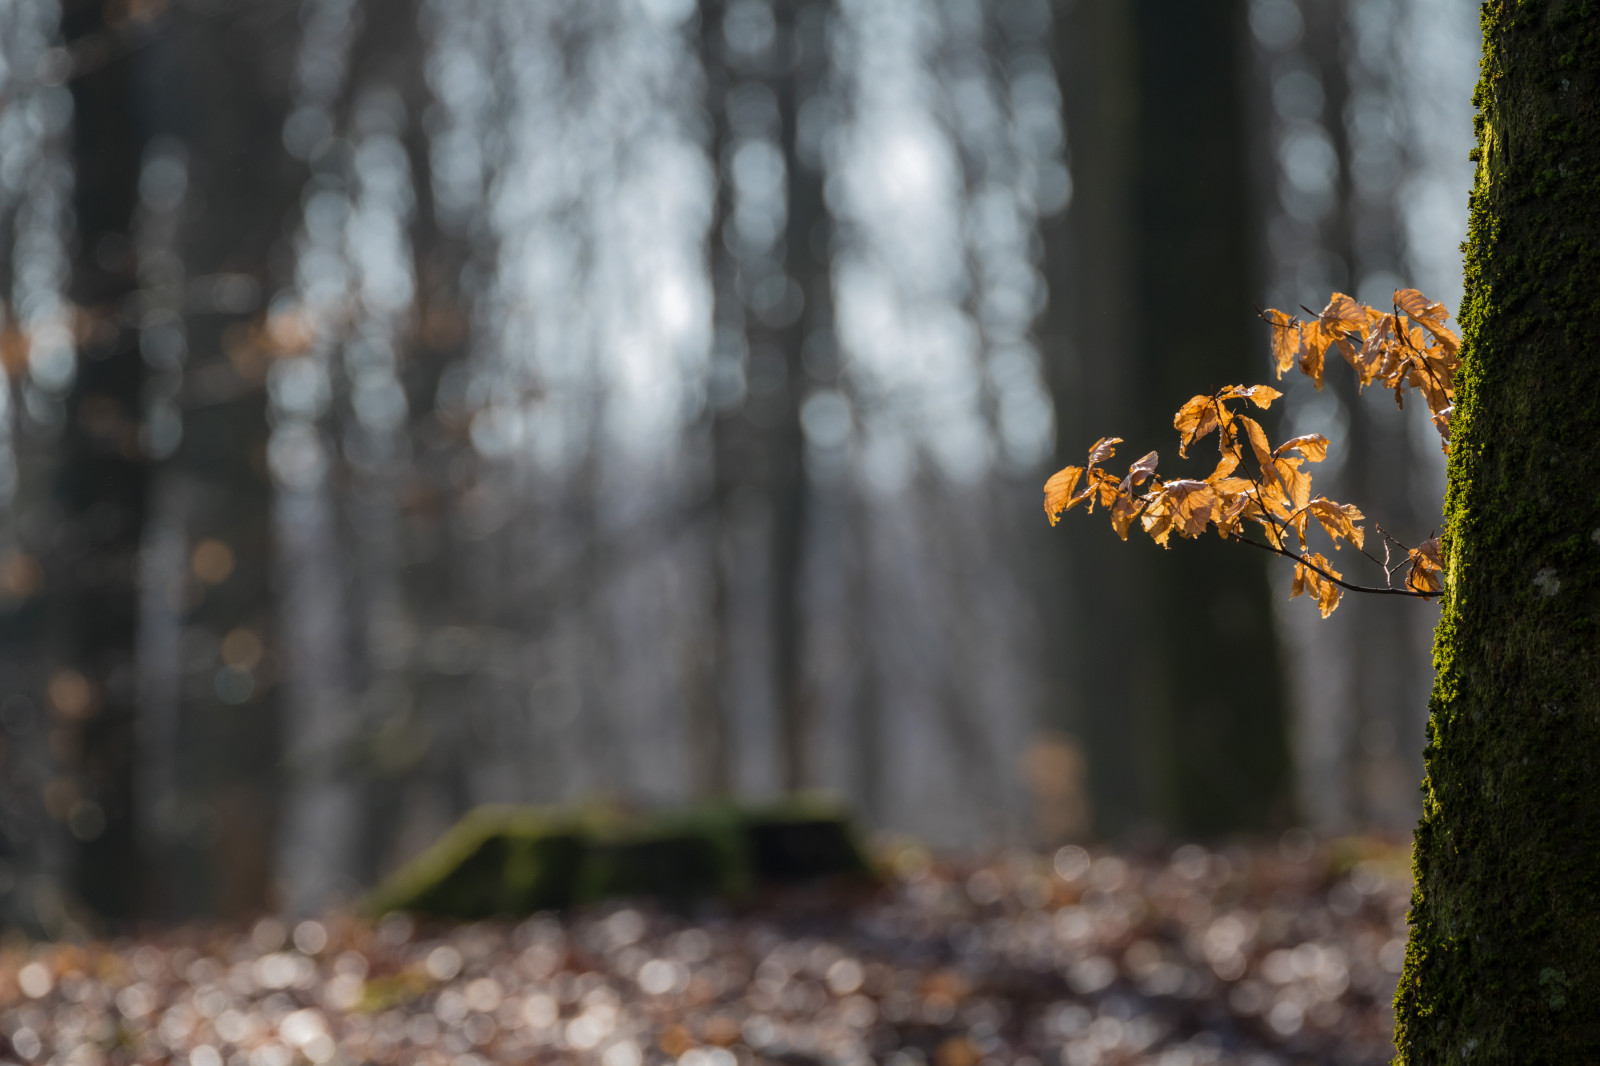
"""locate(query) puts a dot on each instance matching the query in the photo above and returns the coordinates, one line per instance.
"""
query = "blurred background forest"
(414, 405)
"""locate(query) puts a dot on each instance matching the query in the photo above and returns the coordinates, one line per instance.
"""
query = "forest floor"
(1261, 955)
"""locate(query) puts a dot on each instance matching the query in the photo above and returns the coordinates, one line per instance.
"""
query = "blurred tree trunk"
(768, 302)
(101, 489)
(216, 78)
(711, 712)
(804, 317)
(1504, 959)
(1154, 263)
(180, 192)
(1385, 669)
(1356, 728)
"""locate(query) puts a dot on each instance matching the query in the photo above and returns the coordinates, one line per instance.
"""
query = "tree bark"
(1504, 959)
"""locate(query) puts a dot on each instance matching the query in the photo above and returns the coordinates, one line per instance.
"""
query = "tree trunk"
(1504, 959)
(101, 493)
(1158, 284)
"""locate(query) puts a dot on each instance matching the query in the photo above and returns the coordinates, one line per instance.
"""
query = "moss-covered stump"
(510, 861)
(496, 860)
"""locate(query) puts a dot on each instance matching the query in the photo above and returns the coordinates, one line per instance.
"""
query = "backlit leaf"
(1285, 339)
(1194, 420)
(1314, 446)
(1308, 579)
(1427, 568)
(1139, 472)
(1123, 512)
(1103, 449)
(1058, 491)
(1338, 519)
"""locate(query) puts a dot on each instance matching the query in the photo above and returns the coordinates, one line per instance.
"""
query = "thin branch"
(1388, 540)
(1309, 565)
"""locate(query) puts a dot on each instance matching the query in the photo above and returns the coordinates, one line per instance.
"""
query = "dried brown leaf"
(1260, 395)
(1192, 503)
(1139, 472)
(1103, 449)
(1308, 579)
(1258, 440)
(1314, 446)
(1058, 492)
(1427, 568)
(1314, 341)
(1343, 314)
(1285, 339)
(1123, 512)
(1199, 416)
(1339, 520)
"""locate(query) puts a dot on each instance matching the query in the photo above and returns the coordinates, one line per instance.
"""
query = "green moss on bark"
(1504, 959)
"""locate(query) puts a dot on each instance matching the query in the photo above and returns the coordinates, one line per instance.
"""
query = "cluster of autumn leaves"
(1408, 347)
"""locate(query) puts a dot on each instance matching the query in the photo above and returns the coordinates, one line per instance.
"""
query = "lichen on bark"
(1503, 963)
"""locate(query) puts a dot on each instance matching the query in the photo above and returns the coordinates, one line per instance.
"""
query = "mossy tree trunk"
(1504, 960)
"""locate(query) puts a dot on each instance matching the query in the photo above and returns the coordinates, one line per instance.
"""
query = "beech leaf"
(1103, 449)
(1427, 568)
(1138, 473)
(1314, 446)
(1194, 420)
(1307, 579)
(1058, 492)
(1285, 339)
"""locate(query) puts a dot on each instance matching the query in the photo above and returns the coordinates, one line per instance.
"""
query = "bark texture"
(1504, 959)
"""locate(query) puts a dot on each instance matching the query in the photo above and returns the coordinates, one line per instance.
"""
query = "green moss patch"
(510, 861)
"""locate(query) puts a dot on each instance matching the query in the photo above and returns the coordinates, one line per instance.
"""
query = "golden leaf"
(1307, 579)
(1420, 307)
(1258, 440)
(1343, 314)
(1199, 416)
(1099, 486)
(1226, 465)
(1123, 512)
(1314, 341)
(1157, 520)
(1192, 503)
(1139, 472)
(1285, 339)
(1058, 492)
(1260, 395)
(1427, 568)
(1314, 446)
(1375, 350)
(1339, 519)
(1103, 449)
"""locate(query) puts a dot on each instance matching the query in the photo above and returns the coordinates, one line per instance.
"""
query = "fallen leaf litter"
(1255, 956)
